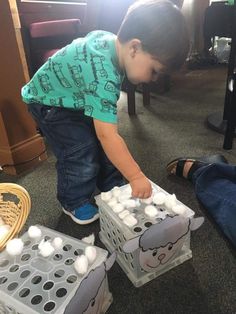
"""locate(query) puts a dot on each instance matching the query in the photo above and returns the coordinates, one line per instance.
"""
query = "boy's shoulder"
(100, 34)
(100, 41)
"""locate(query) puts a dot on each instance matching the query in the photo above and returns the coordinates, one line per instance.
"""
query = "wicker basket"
(15, 206)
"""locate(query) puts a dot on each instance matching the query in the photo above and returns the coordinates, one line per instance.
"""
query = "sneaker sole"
(78, 221)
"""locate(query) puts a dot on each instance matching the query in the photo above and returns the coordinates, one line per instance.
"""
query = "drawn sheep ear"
(131, 245)
(196, 223)
(110, 261)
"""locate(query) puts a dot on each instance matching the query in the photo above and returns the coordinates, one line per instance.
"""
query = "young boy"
(73, 99)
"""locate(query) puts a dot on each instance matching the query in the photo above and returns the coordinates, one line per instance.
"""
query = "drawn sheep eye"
(154, 253)
(170, 247)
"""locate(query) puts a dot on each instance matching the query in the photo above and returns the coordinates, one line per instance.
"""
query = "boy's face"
(140, 66)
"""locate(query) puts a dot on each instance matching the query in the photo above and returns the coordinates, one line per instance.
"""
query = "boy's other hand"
(141, 187)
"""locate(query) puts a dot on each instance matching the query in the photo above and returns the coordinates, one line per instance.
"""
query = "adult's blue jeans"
(81, 163)
(215, 187)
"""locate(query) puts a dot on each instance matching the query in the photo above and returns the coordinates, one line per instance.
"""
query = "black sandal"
(178, 164)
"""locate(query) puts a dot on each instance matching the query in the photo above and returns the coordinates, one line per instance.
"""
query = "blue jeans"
(215, 187)
(81, 162)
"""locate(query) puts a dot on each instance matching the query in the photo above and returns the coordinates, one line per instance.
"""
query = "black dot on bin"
(57, 257)
(14, 268)
(147, 224)
(78, 252)
(27, 243)
(25, 257)
(36, 279)
(49, 306)
(61, 292)
(71, 279)
(3, 280)
(137, 229)
(12, 286)
(25, 273)
(35, 247)
(69, 261)
(36, 299)
(24, 292)
(67, 247)
(48, 285)
(59, 273)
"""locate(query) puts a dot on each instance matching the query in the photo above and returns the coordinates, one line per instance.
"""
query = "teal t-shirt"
(84, 75)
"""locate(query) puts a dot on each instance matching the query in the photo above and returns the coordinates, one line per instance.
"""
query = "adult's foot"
(185, 167)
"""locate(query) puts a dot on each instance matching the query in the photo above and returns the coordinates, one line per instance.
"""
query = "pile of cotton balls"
(82, 261)
(120, 200)
(46, 248)
(15, 246)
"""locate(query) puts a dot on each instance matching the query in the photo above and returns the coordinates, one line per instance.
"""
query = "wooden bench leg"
(146, 95)
(131, 98)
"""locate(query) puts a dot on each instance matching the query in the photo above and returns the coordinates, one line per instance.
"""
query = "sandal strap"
(180, 167)
(196, 165)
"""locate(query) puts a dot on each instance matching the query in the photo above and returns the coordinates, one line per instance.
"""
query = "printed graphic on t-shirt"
(81, 76)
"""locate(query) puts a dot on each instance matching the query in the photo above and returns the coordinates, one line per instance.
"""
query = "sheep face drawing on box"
(90, 295)
(162, 242)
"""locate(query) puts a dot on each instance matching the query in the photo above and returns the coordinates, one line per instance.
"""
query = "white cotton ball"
(116, 191)
(129, 203)
(118, 208)
(150, 211)
(41, 244)
(127, 189)
(57, 243)
(34, 232)
(123, 214)
(112, 202)
(159, 198)
(2, 223)
(126, 193)
(89, 239)
(170, 201)
(124, 197)
(81, 264)
(45, 248)
(147, 201)
(179, 209)
(4, 229)
(106, 196)
(130, 220)
(91, 253)
(14, 247)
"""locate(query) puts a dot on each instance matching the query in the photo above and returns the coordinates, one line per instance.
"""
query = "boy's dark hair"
(161, 28)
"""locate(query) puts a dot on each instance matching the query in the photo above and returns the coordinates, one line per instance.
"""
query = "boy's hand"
(141, 186)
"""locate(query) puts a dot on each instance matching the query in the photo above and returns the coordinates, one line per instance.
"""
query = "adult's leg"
(74, 143)
(108, 176)
(215, 187)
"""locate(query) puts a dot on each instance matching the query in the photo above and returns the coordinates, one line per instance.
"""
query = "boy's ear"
(135, 45)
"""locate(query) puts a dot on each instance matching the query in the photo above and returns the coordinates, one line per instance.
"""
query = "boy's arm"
(118, 153)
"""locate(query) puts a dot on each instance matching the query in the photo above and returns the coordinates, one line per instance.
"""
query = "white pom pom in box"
(33, 284)
(151, 237)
